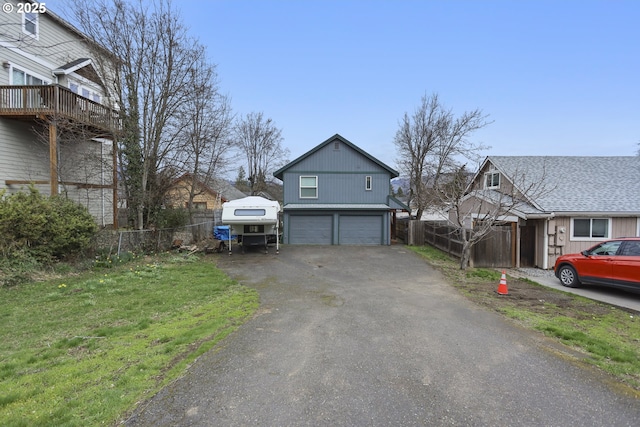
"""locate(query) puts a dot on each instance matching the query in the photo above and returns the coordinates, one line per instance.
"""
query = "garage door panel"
(310, 229)
(360, 230)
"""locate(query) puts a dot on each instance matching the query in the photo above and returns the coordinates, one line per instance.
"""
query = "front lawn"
(84, 350)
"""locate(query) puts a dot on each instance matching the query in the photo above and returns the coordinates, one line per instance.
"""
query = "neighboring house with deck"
(558, 205)
(337, 194)
(57, 117)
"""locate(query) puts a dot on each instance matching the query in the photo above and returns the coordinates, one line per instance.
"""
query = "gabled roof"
(575, 184)
(279, 172)
(72, 66)
(224, 189)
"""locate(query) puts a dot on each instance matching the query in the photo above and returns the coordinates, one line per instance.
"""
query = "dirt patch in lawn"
(526, 294)
(481, 286)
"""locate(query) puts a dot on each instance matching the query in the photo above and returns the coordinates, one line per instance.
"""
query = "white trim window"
(84, 91)
(25, 99)
(308, 187)
(368, 183)
(31, 24)
(492, 180)
(21, 77)
(590, 228)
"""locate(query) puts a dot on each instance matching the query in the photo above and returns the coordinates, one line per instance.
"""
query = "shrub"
(172, 218)
(33, 226)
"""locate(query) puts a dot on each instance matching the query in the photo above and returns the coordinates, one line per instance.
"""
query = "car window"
(631, 248)
(606, 248)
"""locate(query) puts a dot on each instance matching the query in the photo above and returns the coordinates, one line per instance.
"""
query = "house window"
(308, 187)
(196, 205)
(590, 228)
(336, 145)
(492, 180)
(22, 78)
(22, 99)
(367, 183)
(85, 92)
(30, 24)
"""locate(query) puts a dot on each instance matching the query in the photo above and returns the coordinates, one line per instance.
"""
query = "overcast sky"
(557, 77)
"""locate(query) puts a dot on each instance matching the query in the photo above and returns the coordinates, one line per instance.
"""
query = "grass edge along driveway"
(86, 349)
(603, 336)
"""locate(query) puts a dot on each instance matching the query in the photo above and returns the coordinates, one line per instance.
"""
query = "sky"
(555, 77)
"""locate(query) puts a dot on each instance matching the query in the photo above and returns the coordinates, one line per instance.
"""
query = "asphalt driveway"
(372, 336)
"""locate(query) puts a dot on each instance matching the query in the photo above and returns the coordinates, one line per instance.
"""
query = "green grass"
(84, 350)
(607, 335)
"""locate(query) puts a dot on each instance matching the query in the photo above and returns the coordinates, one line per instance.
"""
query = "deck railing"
(55, 100)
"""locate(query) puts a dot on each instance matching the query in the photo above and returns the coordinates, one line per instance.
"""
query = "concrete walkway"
(611, 296)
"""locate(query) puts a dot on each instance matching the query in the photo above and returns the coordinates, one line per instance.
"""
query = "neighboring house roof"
(279, 172)
(226, 189)
(574, 184)
(265, 195)
(220, 187)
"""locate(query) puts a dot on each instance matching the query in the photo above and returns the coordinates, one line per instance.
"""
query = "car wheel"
(568, 277)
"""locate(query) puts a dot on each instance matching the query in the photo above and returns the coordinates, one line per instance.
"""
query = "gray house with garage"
(337, 194)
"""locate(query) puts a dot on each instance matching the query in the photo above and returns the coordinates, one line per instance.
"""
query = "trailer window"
(249, 212)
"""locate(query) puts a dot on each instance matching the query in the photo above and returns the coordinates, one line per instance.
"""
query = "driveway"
(372, 336)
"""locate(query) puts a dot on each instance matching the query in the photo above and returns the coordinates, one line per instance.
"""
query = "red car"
(611, 263)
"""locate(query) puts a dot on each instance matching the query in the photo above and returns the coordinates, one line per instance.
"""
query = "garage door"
(360, 230)
(310, 229)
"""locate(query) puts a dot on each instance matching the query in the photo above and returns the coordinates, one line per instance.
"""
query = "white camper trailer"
(254, 220)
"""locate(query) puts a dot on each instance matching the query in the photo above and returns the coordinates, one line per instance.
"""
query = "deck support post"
(53, 158)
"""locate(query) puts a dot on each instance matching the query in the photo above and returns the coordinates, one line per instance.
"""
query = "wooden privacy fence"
(496, 249)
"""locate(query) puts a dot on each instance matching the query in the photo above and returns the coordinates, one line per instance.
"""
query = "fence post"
(410, 232)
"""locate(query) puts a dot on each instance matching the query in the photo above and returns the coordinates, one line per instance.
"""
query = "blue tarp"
(221, 232)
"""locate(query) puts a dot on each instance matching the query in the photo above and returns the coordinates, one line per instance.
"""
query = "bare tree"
(153, 87)
(431, 142)
(261, 142)
(476, 211)
(205, 138)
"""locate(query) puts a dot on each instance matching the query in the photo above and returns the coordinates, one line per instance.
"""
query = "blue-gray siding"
(341, 177)
(339, 187)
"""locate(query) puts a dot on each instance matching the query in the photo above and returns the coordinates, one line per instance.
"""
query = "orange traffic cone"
(502, 286)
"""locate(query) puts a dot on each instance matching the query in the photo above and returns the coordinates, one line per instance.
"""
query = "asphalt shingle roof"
(577, 184)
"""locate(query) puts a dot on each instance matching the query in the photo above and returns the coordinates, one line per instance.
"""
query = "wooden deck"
(30, 102)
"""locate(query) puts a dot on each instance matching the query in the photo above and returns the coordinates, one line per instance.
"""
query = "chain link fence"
(158, 240)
